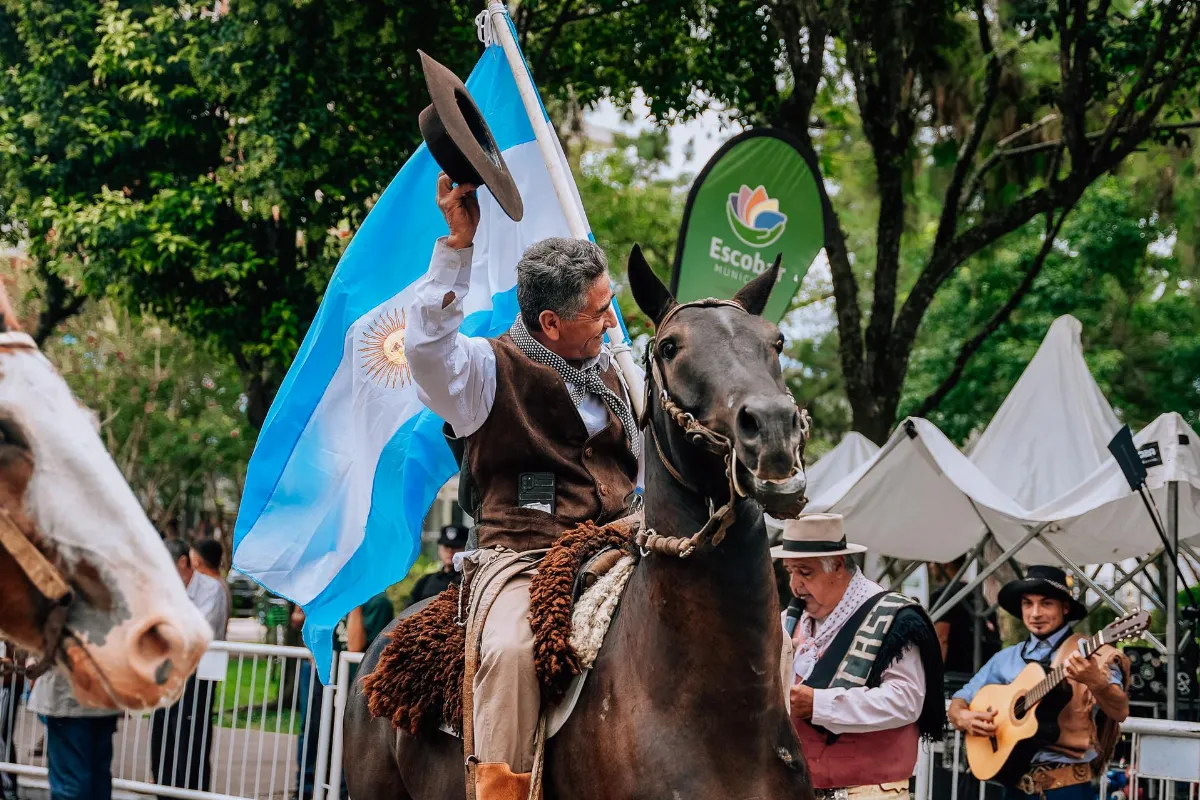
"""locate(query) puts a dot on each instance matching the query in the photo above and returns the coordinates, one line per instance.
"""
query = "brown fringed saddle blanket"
(418, 681)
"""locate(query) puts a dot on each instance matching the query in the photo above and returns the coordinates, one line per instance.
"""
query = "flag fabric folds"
(349, 460)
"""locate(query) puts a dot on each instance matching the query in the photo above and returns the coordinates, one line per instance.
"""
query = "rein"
(720, 519)
(46, 578)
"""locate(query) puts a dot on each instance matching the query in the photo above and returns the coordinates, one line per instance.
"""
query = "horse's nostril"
(155, 651)
(747, 424)
(152, 645)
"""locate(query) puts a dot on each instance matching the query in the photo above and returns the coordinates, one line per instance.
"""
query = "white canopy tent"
(852, 452)
(1053, 429)
(919, 498)
(1039, 482)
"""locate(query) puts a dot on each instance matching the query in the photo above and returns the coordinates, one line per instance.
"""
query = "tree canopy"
(209, 166)
(957, 124)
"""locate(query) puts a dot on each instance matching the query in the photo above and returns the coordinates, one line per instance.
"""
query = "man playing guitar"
(1088, 725)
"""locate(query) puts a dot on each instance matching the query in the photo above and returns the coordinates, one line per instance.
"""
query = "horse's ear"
(652, 297)
(753, 296)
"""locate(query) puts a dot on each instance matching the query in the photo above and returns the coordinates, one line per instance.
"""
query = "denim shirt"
(1004, 667)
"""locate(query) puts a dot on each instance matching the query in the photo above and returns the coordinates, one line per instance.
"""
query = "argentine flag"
(349, 460)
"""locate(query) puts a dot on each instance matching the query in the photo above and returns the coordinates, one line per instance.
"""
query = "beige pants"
(507, 697)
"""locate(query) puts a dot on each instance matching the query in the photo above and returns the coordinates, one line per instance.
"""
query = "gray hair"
(830, 563)
(555, 274)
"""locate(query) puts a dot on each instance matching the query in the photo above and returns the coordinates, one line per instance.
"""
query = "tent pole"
(895, 584)
(1128, 577)
(1154, 595)
(977, 654)
(1097, 588)
(1170, 592)
(972, 554)
(985, 573)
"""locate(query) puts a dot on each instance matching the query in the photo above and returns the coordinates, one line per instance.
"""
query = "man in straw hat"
(550, 442)
(1090, 723)
(867, 671)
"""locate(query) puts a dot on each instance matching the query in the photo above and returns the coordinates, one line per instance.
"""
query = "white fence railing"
(253, 723)
(1156, 760)
(276, 733)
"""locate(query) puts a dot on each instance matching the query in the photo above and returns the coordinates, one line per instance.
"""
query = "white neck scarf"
(818, 634)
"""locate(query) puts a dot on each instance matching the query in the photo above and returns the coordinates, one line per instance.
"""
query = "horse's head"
(87, 580)
(719, 363)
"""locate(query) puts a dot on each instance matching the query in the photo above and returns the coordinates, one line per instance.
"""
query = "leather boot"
(494, 780)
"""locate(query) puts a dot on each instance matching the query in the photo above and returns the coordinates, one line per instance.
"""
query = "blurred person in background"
(181, 735)
(79, 740)
(353, 634)
(12, 686)
(206, 556)
(451, 542)
(956, 628)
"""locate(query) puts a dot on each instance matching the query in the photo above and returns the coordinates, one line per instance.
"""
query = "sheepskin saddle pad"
(418, 681)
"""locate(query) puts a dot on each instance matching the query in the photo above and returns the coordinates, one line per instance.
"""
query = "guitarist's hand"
(1085, 671)
(975, 723)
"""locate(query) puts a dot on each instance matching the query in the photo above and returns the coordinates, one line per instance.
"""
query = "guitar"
(1023, 709)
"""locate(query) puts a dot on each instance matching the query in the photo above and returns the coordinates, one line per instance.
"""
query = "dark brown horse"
(686, 698)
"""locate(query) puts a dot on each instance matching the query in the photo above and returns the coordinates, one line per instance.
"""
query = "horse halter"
(45, 576)
(720, 519)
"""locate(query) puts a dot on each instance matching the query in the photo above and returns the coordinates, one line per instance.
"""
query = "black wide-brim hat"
(460, 141)
(1043, 580)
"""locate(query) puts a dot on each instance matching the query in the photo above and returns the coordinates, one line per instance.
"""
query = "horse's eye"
(668, 349)
(779, 345)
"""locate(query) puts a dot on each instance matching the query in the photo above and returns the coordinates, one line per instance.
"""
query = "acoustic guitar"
(1028, 708)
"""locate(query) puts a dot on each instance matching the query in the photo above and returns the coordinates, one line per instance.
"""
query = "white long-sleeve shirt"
(456, 374)
(896, 702)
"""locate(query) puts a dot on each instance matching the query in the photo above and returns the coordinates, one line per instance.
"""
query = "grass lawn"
(252, 683)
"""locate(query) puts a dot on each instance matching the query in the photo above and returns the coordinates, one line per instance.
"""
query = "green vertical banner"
(757, 197)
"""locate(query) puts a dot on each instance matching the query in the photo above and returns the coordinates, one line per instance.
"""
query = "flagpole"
(559, 176)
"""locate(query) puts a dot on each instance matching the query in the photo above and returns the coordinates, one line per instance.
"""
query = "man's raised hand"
(460, 207)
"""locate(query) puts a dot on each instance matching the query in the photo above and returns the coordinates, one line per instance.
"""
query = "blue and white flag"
(349, 460)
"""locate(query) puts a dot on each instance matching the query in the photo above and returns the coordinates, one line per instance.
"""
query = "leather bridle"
(699, 435)
(45, 576)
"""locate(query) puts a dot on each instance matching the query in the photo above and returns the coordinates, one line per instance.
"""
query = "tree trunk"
(261, 387)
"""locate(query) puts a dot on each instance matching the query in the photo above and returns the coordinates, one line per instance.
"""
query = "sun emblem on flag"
(383, 350)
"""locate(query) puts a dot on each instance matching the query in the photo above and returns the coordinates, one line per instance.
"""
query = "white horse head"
(131, 635)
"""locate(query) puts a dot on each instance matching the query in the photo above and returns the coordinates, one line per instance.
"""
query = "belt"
(898, 788)
(1040, 780)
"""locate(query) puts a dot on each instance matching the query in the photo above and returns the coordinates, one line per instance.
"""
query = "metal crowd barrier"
(253, 723)
(276, 733)
(1156, 760)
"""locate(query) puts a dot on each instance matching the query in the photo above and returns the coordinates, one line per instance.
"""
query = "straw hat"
(461, 142)
(813, 536)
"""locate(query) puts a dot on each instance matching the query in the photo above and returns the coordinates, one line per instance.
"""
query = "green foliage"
(171, 411)
(1137, 305)
(209, 170)
(628, 203)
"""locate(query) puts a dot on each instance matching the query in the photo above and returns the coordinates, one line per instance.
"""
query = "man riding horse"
(550, 442)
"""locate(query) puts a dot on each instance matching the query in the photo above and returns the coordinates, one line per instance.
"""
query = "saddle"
(419, 680)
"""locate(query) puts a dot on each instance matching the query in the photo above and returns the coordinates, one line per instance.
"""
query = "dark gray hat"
(461, 142)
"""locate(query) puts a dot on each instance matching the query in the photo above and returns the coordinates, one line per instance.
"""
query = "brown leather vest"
(858, 759)
(1077, 729)
(534, 426)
